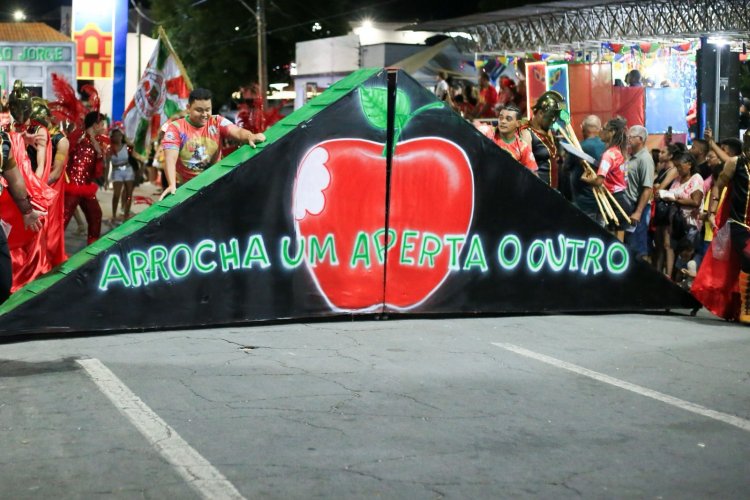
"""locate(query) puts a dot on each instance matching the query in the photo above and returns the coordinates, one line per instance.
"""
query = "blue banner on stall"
(665, 107)
(121, 44)
(557, 80)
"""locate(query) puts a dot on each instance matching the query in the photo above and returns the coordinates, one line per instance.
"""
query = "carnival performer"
(32, 153)
(192, 144)
(22, 200)
(508, 139)
(723, 281)
(86, 165)
(251, 115)
(537, 134)
(52, 176)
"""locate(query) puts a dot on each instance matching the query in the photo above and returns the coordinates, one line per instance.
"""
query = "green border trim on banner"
(212, 174)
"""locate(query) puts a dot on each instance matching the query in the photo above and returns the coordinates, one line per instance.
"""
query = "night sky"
(384, 10)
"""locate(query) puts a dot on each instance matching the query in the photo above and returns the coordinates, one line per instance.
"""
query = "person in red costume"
(723, 281)
(85, 166)
(32, 154)
(52, 175)
(22, 200)
(508, 123)
(487, 98)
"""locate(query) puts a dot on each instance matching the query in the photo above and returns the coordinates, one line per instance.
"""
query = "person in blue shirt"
(592, 145)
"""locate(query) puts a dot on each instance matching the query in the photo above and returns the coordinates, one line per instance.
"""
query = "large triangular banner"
(328, 217)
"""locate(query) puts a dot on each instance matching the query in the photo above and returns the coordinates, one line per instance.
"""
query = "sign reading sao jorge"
(41, 53)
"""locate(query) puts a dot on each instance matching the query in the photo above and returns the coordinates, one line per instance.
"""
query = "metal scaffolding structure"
(581, 25)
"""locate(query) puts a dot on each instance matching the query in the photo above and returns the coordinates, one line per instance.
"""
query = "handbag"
(661, 213)
(680, 226)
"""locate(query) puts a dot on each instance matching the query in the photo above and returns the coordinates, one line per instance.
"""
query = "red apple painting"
(340, 198)
(432, 203)
(340, 191)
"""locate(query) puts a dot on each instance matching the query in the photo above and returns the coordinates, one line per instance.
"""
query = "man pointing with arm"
(192, 144)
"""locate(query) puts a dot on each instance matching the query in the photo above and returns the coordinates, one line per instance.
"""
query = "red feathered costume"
(28, 249)
(84, 167)
(68, 113)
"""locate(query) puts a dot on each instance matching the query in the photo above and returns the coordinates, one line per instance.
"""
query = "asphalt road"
(449, 408)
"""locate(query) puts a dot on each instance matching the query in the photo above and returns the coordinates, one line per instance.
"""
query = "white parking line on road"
(196, 470)
(643, 391)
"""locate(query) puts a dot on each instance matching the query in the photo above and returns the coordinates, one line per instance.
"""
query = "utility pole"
(138, 37)
(260, 19)
(260, 14)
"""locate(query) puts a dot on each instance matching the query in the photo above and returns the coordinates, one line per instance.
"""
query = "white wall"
(374, 33)
(322, 81)
(104, 87)
(327, 60)
(132, 77)
(338, 54)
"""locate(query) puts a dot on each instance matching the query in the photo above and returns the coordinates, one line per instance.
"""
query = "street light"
(19, 15)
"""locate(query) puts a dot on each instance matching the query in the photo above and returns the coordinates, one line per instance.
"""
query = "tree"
(217, 39)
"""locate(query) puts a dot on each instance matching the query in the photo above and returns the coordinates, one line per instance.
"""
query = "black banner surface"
(329, 218)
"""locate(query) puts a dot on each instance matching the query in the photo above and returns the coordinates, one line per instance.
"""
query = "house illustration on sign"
(93, 52)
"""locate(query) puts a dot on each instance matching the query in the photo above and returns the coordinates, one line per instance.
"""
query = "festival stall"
(668, 82)
(689, 48)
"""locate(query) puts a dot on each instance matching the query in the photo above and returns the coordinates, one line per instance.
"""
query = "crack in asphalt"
(671, 354)
(314, 426)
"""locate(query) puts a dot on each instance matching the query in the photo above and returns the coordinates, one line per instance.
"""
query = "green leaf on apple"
(403, 109)
(374, 101)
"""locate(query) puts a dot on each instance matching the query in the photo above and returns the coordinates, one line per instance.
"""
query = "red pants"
(91, 210)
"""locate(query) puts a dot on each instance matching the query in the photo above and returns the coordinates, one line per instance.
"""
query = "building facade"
(32, 52)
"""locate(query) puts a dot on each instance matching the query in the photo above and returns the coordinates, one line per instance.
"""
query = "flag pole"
(164, 38)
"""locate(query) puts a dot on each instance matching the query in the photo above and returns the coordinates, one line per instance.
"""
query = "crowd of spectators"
(664, 191)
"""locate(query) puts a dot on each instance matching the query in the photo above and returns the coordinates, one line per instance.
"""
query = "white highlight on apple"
(313, 178)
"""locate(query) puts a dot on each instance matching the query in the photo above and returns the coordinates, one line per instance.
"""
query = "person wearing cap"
(537, 134)
(21, 198)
